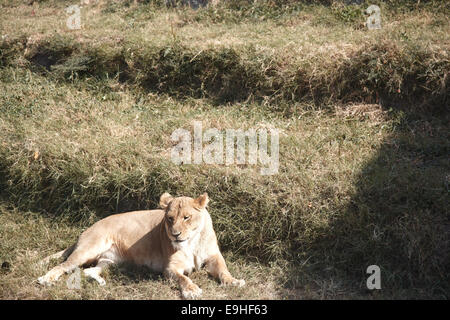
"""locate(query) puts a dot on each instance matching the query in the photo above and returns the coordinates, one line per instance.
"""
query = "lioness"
(175, 240)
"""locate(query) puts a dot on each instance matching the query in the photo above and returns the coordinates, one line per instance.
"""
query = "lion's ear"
(165, 200)
(202, 201)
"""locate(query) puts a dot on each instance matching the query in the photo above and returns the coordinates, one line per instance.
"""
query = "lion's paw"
(238, 283)
(233, 282)
(45, 281)
(192, 292)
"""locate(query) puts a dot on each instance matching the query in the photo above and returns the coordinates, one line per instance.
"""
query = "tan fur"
(175, 240)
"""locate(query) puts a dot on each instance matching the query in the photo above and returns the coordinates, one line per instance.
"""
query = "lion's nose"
(176, 234)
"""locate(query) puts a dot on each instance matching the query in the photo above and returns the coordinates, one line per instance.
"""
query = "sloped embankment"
(408, 76)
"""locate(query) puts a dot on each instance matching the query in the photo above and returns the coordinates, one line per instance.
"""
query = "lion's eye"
(186, 217)
(170, 219)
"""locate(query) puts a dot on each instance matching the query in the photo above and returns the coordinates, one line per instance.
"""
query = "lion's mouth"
(179, 240)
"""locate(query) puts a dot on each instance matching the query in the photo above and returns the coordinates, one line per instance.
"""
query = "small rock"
(5, 266)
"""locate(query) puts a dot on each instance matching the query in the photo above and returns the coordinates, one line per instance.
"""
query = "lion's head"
(183, 216)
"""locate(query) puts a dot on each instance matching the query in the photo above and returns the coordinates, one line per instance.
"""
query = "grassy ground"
(87, 116)
(124, 282)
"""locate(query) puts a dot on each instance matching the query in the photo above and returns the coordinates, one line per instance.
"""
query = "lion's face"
(183, 216)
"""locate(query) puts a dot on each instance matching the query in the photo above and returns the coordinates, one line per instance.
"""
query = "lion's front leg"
(175, 270)
(217, 268)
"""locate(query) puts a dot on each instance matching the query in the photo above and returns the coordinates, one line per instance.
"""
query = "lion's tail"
(63, 253)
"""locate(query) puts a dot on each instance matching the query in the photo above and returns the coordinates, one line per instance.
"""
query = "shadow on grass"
(397, 219)
(128, 273)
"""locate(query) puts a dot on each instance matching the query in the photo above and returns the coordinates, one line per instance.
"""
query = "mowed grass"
(362, 180)
(294, 33)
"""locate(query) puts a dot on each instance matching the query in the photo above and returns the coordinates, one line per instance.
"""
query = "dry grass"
(363, 177)
(304, 55)
(24, 254)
